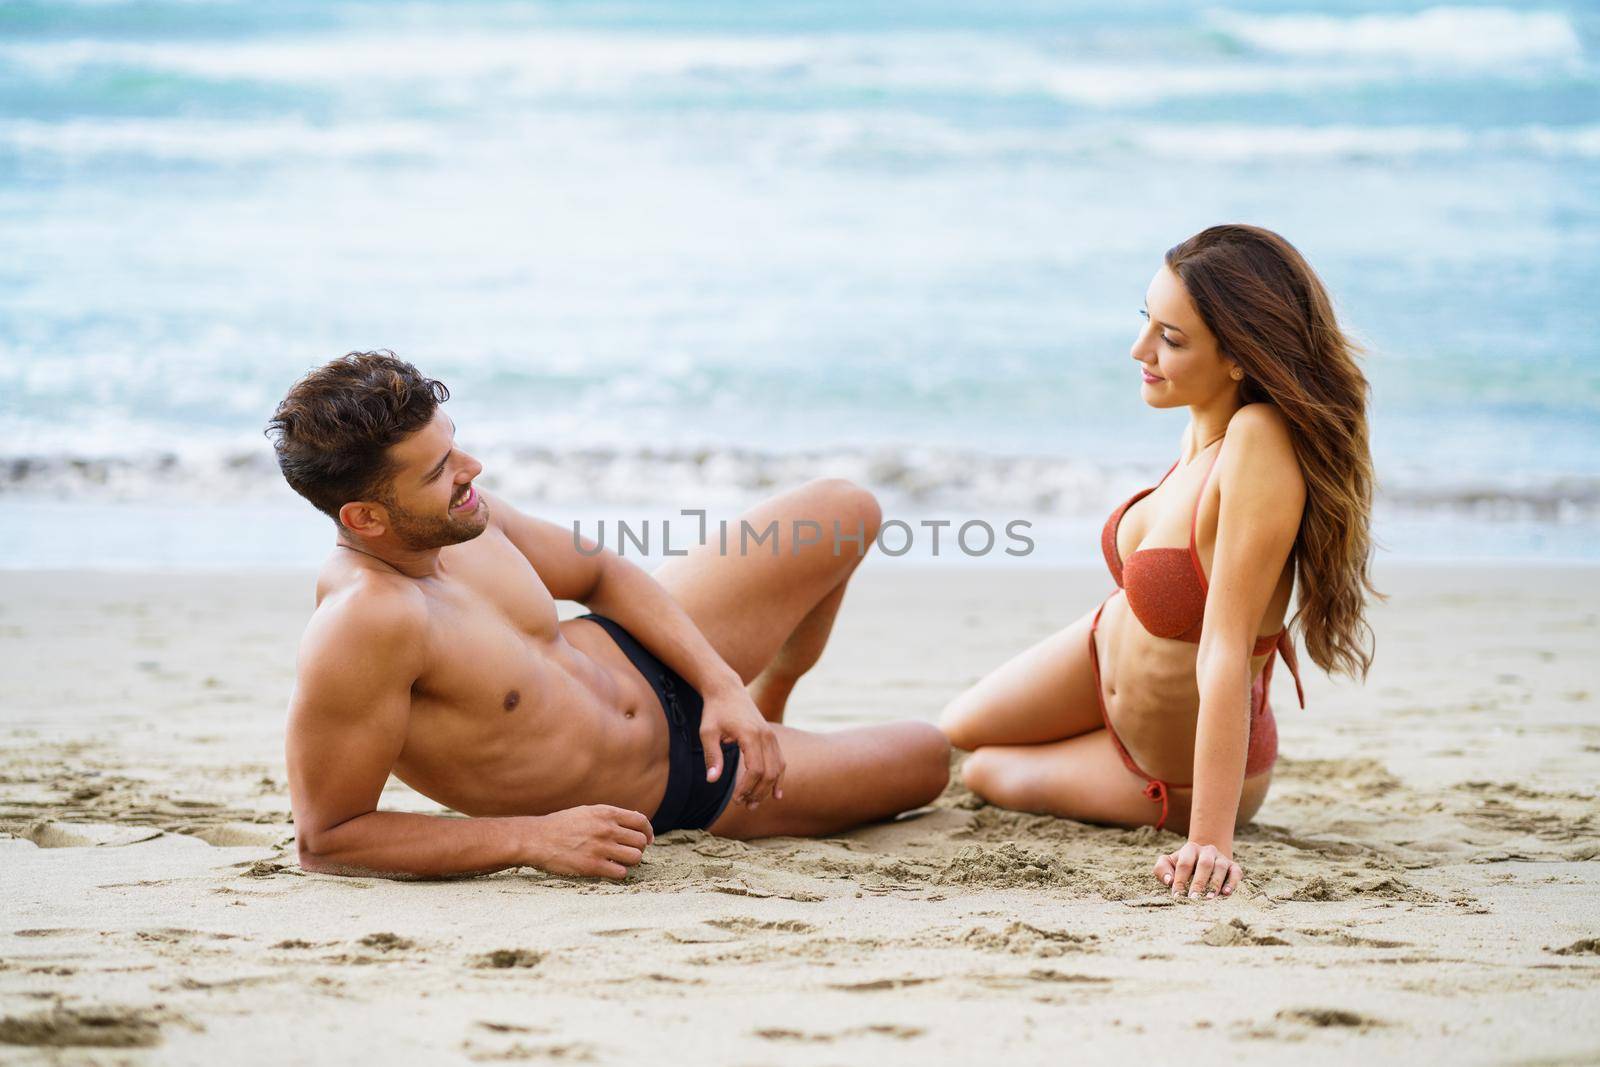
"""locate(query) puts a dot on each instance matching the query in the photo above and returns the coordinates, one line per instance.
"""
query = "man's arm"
(610, 585)
(347, 724)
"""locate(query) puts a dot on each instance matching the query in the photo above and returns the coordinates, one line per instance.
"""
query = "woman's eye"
(1170, 342)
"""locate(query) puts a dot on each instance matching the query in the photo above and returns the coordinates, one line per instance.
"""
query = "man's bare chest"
(494, 645)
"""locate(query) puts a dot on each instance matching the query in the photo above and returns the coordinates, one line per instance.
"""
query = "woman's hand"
(1204, 870)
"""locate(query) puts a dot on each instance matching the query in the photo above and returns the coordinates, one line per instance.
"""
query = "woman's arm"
(1262, 496)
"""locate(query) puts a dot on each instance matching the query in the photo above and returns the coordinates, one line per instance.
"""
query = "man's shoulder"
(375, 611)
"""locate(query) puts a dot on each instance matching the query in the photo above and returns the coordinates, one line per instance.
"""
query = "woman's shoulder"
(1261, 424)
(1260, 444)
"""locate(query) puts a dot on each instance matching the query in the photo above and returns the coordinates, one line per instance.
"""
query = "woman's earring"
(1238, 375)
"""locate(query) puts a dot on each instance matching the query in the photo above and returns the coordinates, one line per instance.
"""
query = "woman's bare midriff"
(1152, 697)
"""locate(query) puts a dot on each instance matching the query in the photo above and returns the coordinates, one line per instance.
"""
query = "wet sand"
(1422, 882)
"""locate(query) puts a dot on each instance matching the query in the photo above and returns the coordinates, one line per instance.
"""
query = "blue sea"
(682, 254)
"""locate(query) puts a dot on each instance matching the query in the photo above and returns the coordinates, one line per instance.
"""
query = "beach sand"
(1423, 882)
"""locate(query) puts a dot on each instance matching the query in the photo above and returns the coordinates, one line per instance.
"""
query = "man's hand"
(1202, 870)
(597, 841)
(730, 715)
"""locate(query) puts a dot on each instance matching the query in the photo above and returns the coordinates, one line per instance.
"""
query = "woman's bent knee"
(958, 721)
(1253, 796)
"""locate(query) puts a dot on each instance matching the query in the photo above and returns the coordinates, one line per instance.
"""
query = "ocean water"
(679, 254)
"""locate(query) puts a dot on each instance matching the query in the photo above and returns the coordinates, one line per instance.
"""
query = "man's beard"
(421, 533)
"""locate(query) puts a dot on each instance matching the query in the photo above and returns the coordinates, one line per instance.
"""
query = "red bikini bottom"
(1260, 756)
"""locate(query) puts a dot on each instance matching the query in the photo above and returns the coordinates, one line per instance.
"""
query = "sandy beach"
(1421, 884)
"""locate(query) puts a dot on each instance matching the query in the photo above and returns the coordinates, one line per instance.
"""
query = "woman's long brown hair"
(1271, 314)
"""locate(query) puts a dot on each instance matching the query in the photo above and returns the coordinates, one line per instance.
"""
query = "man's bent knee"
(929, 752)
(847, 510)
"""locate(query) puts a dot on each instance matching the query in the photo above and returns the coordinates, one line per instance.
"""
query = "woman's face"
(1178, 356)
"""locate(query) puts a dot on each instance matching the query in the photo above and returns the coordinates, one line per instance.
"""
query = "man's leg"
(798, 654)
(768, 614)
(767, 604)
(844, 778)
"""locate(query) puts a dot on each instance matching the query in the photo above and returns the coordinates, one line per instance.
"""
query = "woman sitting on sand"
(1152, 708)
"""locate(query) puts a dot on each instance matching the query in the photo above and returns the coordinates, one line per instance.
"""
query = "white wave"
(827, 137)
(896, 136)
(1237, 143)
(1476, 35)
(234, 141)
(478, 69)
(548, 59)
(904, 476)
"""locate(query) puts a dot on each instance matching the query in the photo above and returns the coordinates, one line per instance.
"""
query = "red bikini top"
(1166, 587)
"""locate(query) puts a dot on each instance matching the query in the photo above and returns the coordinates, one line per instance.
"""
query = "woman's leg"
(1084, 778)
(1044, 693)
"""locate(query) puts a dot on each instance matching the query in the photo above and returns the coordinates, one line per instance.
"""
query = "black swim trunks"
(691, 802)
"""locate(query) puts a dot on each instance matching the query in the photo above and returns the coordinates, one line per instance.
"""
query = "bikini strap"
(1291, 660)
(1194, 522)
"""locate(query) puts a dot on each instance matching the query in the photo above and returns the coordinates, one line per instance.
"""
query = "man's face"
(432, 501)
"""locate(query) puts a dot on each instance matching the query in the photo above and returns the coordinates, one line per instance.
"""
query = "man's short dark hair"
(333, 430)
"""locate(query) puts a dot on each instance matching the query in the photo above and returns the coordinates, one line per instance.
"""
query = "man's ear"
(364, 518)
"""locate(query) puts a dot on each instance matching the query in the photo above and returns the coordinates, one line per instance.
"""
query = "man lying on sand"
(435, 653)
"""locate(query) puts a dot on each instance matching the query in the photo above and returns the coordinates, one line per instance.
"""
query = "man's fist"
(594, 841)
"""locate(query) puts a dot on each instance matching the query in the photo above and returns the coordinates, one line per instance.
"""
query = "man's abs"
(504, 723)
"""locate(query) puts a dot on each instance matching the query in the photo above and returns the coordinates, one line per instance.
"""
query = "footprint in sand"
(780, 926)
(1023, 939)
(703, 934)
(1346, 939)
(505, 958)
(268, 868)
(1353, 884)
(49, 834)
(1236, 932)
(563, 1052)
(1329, 1017)
(878, 985)
(900, 1033)
(387, 942)
(82, 1028)
(50, 931)
(1588, 946)
(172, 935)
(1038, 974)
(388, 945)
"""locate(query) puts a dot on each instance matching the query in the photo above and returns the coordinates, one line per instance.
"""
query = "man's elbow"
(311, 849)
(327, 862)
(318, 851)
